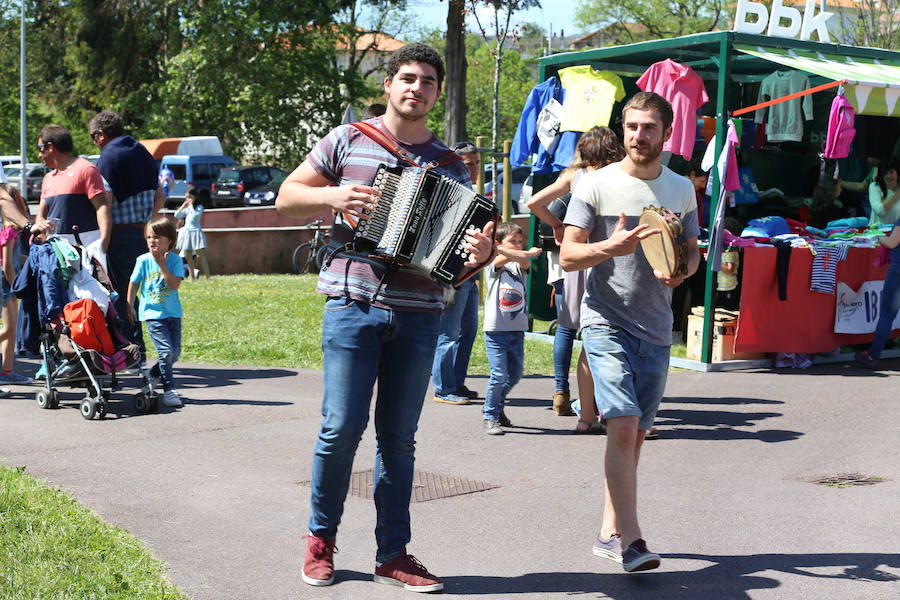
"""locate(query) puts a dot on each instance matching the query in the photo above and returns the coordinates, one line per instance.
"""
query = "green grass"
(52, 547)
(276, 320)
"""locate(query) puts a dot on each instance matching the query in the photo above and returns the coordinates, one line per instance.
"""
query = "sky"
(555, 14)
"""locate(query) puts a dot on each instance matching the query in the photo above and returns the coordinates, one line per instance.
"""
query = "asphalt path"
(218, 489)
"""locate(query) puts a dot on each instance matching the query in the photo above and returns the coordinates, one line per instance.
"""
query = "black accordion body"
(421, 219)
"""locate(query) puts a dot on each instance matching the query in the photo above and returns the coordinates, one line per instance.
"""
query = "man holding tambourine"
(626, 315)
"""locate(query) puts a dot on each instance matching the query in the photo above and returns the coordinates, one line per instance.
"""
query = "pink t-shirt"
(681, 86)
(67, 196)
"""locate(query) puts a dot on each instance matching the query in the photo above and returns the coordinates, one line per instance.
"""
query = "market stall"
(734, 68)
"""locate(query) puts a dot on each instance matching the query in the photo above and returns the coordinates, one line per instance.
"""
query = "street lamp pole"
(22, 133)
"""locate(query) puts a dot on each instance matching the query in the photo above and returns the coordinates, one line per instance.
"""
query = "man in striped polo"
(380, 323)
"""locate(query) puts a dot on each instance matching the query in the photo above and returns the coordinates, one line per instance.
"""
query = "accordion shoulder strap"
(382, 139)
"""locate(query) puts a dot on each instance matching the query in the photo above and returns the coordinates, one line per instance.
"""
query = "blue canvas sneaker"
(611, 548)
(638, 558)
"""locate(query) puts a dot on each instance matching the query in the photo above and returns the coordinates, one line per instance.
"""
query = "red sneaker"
(408, 572)
(318, 568)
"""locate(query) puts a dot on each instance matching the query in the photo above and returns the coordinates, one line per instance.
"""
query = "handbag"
(558, 208)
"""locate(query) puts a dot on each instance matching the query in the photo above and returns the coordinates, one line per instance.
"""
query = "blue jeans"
(629, 373)
(166, 336)
(506, 358)
(889, 305)
(361, 345)
(459, 325)
(563, 340)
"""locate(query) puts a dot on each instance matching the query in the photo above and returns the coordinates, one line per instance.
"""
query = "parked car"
(233, 182)
(265, 194)
(34, 177)
(193, 170)
(10, 159)
(519, 175)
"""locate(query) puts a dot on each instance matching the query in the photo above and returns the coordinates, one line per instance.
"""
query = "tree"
(873, 23)
(637, 20)
(9, 77)
(259, 76)
(479, 85)
(516, 83)
(455, 81)
(500, 12)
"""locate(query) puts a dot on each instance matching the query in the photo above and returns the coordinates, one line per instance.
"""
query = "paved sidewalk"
(216, 488)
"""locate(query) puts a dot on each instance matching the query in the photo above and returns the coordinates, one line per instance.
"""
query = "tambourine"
(666, 251)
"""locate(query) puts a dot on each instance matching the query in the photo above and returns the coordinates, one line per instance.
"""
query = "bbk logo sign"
(783, 21)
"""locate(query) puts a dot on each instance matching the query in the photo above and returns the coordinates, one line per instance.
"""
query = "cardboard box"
(722, 342)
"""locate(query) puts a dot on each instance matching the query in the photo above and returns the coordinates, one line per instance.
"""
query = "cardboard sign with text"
(857, 312)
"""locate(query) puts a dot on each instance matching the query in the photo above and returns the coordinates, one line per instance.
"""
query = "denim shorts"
(7, 290)
(629, 373)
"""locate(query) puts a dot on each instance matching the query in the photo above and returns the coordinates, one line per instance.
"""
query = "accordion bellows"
(421, 220)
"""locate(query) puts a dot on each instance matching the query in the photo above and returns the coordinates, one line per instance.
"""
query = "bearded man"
(625, 315)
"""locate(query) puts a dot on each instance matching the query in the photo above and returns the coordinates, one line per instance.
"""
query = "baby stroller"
(88, 352)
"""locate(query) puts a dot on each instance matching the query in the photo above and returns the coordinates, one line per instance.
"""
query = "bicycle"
(309, 256)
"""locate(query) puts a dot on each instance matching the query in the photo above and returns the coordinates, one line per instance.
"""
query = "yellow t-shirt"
(590, 96)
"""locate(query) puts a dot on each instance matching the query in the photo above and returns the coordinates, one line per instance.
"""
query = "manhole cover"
(426, 486)
(846, 480)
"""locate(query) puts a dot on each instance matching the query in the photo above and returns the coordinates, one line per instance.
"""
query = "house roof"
(380, 42)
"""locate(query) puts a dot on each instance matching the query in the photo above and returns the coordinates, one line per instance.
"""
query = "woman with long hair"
(597, 148)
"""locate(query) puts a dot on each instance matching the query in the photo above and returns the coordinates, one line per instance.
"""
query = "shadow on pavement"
(224, 376)
(733, 577)
(688, 424)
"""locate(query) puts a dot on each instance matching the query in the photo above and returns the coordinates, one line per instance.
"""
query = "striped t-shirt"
(346, 156)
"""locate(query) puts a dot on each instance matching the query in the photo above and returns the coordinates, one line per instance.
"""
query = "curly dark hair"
(598, 147)
(420, 53)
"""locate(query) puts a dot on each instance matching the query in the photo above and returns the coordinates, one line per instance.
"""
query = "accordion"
(422, 219)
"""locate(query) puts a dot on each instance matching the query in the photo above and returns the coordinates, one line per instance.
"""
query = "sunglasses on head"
(464, 148)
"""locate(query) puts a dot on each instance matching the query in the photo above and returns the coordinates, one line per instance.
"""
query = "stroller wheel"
(88, 408)
(43, 398)
(141, 403)
(54, 398)
(102, 408)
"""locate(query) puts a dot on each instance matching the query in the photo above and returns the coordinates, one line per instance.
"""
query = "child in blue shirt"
(158, 274)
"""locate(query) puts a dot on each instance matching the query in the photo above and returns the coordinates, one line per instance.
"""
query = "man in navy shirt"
(131, 174)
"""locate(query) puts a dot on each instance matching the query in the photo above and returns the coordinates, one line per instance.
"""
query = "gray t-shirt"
(622, 291)
(504, 307)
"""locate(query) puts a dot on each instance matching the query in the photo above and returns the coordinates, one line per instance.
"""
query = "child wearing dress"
(191, 240)
(157, 275)
(505, 322)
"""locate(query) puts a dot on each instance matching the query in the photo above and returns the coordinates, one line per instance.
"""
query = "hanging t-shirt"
(785, 119)
(590, 96)
(684, 89)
